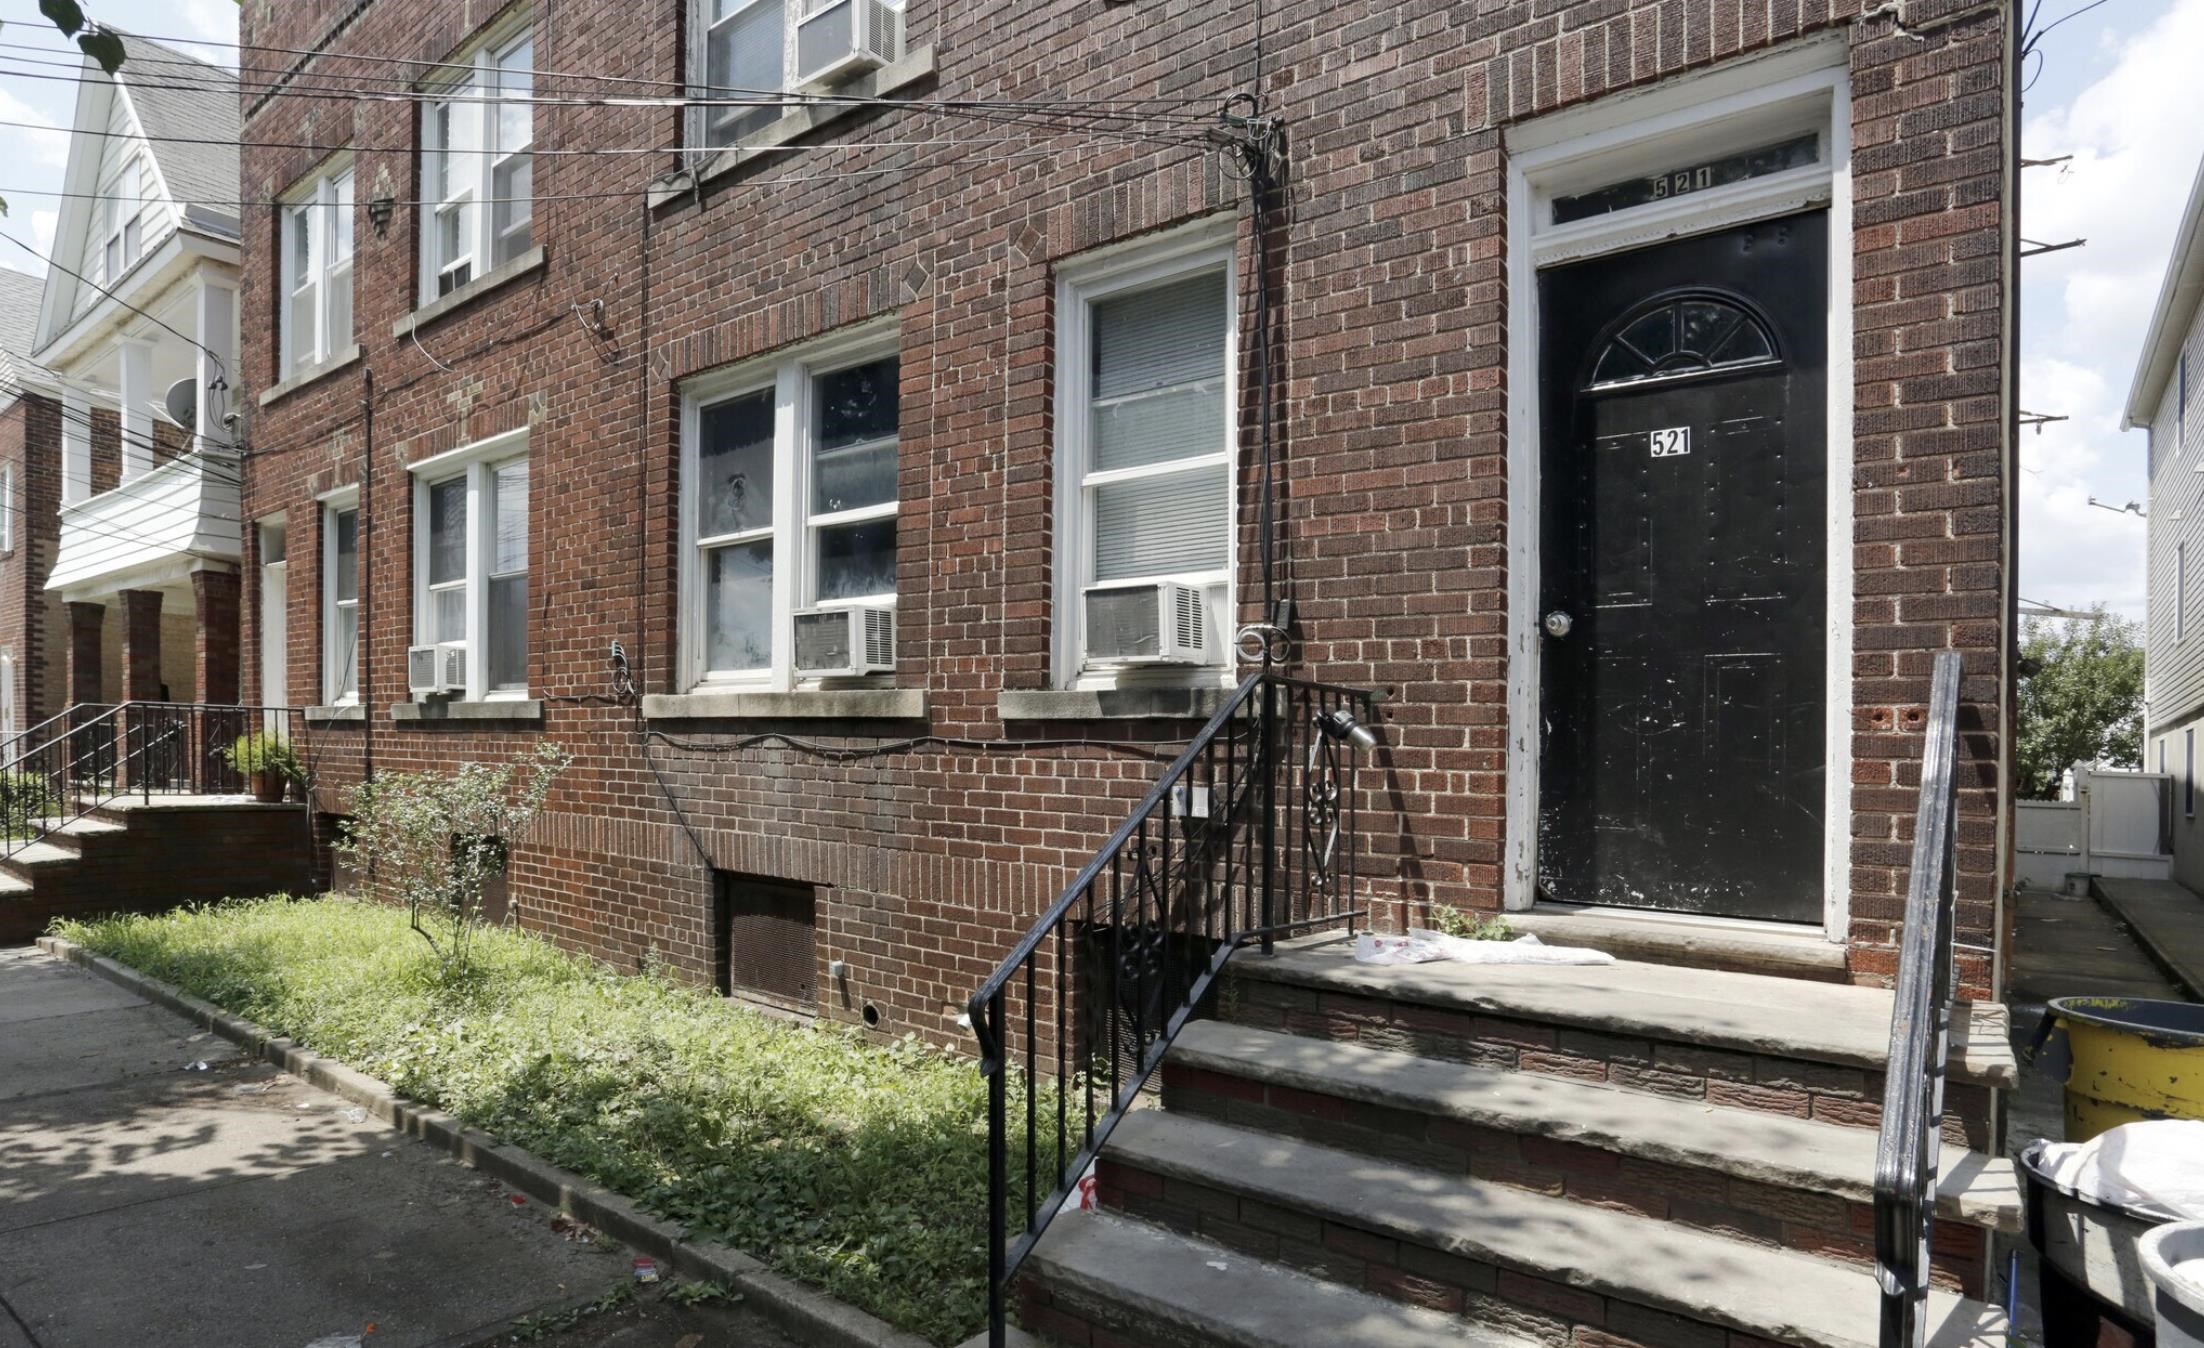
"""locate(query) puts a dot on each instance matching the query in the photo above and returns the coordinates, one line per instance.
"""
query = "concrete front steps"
(135, 856)
(1632, 1154)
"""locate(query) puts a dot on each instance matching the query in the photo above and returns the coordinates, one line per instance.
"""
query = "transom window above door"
(1683, 335)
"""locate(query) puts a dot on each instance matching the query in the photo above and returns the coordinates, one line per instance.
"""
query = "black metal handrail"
(1909, 1146)
(102, 754)
(11, 748)
(1250, 833)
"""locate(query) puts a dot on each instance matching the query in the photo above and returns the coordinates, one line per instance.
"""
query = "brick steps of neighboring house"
(135, 857)
(1603, 1156)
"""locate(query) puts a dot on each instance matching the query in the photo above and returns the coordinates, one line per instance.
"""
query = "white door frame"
(1734, 106)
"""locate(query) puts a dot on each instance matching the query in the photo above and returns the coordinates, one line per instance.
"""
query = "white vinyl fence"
(2118, 824)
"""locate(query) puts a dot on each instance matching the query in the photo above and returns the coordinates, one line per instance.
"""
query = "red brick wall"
(1393, 282)
(30, 445)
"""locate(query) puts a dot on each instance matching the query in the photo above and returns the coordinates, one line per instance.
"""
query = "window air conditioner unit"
(834, 643)
(1161, 623)
(838, 39)
(432, 671)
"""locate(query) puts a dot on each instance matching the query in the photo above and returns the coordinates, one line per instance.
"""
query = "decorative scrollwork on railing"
(1320, 813)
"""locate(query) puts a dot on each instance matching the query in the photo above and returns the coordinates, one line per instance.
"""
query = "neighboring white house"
(138, 322)
(2166, 402)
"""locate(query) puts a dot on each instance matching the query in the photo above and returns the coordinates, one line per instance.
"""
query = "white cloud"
(2135, 135)
(46, 147)
(214, 21)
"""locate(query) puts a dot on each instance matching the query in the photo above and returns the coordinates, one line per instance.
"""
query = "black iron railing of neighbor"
(93, 755)
(1250, 834)
(1908, 1149)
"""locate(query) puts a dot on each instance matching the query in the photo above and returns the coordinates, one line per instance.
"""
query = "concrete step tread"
(1706, 944)
(12, 886)
(1753, 1013)
(1750, 1144)
(1688, 1272)
(90, 826)
(42, 854)
(1220, 1296)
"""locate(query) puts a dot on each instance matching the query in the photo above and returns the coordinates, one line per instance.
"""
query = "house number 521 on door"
(1669, 443)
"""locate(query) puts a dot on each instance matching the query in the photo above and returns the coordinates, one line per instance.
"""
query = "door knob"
(1557, 624)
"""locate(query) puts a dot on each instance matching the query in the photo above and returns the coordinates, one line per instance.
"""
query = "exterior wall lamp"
(379, 212)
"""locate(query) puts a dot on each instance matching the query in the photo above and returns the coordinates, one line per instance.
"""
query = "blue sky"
(2118, 90)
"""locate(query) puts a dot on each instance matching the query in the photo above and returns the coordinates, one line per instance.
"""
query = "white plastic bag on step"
(1371, 948)
(1081, 1197)
(1524, 949)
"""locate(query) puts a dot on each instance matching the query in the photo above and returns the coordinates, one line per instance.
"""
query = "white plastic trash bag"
(1081, 1197)
(2156, 1165)
(1423, 946)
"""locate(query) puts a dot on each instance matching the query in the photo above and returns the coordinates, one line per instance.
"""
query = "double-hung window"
(121, 222)
(341, 602)
(749, 51)
(1145, 450)
(7, 508)
(789, 503)
(471, 562)
(317, 269)
(478, 166)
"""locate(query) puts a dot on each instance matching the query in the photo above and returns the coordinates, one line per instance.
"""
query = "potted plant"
(270, 764)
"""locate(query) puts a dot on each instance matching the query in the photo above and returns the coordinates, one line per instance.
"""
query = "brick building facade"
(969, 209)
(32, 661)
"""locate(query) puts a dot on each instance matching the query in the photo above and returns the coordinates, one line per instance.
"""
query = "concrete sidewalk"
(2168, 918)
(147, 1201)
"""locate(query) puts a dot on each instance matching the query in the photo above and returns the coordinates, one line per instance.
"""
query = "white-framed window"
(7, 508)
(7, 699)
(746, 47)
(788, 502)
(340, 601)
(478, 166)
(2180, 590)
(470, 553)
(1146, 444)
(317, 269)
(121, 227)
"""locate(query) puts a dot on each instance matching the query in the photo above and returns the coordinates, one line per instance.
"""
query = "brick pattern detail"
(1391, 271)
(1807, 1090)
(87, 623)
(33, 625)
(141, 645)
(214, 635)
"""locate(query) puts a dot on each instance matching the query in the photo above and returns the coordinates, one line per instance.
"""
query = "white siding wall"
(155, 218)
(2174, 669)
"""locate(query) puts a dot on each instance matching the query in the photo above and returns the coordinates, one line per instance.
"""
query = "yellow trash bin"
(2132, 1059)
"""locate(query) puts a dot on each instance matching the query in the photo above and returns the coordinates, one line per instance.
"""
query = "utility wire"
(668, 151)
(328, 54)
(221, 371)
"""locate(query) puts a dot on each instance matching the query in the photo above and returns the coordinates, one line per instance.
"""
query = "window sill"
(336, 714)
(307, 374)
(798, 122)
(1110, 704)
(527, 262)
(817, 704)
(507, 711)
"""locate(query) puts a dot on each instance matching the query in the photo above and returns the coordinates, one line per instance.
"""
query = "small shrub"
(25, 797)
(437, 838)
(1447, 920)
(254, 753)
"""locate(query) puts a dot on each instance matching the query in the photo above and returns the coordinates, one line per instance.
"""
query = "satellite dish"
(181, 405)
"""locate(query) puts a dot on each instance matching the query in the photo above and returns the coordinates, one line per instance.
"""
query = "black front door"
(1682, 606)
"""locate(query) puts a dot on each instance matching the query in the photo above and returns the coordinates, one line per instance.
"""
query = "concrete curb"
(805, 1312)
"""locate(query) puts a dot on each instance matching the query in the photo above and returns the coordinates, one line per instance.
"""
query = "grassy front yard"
(859, 1168)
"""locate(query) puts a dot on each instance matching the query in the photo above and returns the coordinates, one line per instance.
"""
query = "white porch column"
(138, 395)
(76, 444)
(217, 324)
